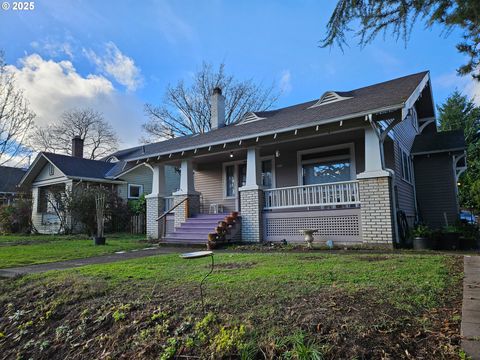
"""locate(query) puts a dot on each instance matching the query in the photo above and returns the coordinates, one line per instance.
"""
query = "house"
(52, 172)
(9, 179)
(342, 164)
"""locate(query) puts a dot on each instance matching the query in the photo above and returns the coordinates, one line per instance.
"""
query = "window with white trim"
(406, 163)
(134, 191)
(327, 165)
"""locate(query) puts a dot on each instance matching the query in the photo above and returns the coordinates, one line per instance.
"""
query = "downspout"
(381, 138)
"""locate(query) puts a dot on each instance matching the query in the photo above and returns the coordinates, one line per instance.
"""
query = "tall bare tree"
(16, 118)
(398, 16)
(186, 108)
(98, 135)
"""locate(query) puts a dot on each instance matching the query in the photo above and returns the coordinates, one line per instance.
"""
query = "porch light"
(277, 153)
(231, 154)
(459, 183)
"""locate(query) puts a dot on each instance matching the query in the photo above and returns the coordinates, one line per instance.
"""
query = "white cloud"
(52, 87)
(53, 48)
(117, 65)
(465, 84)
(286, 82)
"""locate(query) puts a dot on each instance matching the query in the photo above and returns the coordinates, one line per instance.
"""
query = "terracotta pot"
(229, 220)
(234, 214)
(222, 224)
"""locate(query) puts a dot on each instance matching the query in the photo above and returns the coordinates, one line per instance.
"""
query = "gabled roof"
(389, 95)
(79, 167)
(443, 141)
(10, 178)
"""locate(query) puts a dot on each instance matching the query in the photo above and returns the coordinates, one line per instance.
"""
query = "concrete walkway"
(470, 330)
(103, 259)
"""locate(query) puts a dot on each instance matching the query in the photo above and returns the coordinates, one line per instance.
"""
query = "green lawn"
(17, 250)
(310, 305)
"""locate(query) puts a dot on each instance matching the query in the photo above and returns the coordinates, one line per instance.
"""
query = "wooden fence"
(138, 224)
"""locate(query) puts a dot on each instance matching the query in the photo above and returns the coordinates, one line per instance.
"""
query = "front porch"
(319, 181)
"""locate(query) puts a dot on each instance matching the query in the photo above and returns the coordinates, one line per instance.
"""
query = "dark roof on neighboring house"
(439, 142)
(80, 167)
(393, 93)
(9, 178)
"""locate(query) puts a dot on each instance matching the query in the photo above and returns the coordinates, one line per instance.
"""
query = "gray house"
(50, 172)
(350, 163)
(9, 179)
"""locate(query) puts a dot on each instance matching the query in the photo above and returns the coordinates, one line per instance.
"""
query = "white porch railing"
(338, 193)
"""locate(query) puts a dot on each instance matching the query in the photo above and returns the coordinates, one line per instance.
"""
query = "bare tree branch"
(98, 135)
(186, 109)
(16, 118)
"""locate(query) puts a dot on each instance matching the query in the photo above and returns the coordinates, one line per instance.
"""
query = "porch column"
(36, 215)
(187, 191)
(70, 223)
(375, 194)
(251, 199)
(155, 202)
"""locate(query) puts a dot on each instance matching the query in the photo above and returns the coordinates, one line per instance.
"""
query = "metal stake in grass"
(197, 255)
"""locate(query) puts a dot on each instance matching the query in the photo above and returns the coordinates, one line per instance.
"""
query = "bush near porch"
(259, 305)
(21, 250)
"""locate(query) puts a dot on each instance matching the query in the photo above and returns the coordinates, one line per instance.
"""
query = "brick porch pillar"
(155, 202)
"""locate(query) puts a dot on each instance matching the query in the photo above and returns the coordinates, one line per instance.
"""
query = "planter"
(211, 245)
(212, 237)
(234, 214)
(422, 243)
(99, 240)
(449, 241)
(229, 220)
(222, 224)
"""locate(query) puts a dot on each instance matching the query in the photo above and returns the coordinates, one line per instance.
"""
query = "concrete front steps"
(195, 230)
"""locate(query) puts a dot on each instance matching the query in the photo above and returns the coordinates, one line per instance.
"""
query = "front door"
(241, 181)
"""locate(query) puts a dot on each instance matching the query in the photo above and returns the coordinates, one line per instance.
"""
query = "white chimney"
(218, 109)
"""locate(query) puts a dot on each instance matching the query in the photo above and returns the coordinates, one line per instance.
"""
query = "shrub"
(16, 218)
(421, 231)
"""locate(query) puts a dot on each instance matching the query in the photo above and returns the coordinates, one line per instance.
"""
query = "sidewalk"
(68, 264)
(470, 329)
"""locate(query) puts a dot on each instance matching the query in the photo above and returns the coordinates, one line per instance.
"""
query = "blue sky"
(117, 55)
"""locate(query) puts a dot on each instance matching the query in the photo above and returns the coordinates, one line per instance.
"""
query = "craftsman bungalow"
(342, 164)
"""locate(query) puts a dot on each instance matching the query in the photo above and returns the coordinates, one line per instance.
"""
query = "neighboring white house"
(50, 172)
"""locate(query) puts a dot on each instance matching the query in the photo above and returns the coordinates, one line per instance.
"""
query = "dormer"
(331, 97)
(250, 117)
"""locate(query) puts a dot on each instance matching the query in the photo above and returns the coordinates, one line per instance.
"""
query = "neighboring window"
(326, 167)
(267, 175)
(134, 191)
(51, 169)
(406, 162)
(230, 180)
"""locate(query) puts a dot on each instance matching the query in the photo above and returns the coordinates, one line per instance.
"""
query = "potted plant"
(212, 241)
(234, 214)
(222, 224)
(100, 217)
(221, 231)
(230, 220)
(422, 238)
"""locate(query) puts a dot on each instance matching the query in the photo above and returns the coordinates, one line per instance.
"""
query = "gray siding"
(436, 189)
(404, 133)
(142, 175)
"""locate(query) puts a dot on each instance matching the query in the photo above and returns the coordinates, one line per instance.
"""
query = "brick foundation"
(155, 205)
(251, 211)
(376, 210)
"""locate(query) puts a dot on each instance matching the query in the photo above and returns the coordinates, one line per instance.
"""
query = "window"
(406, 163)
(51, 169)
(134, 191)
(230, 180)
(267, 174)
(320, 166)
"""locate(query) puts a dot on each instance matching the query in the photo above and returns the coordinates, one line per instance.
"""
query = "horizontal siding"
(436, 189)
(404, 133)
(209, 182)
(140, 176)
